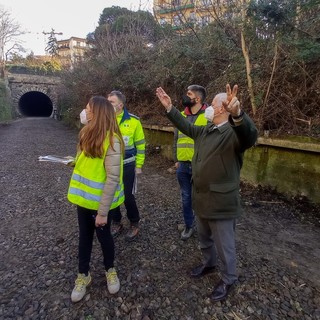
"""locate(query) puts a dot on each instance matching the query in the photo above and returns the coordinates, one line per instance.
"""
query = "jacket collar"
(124, 115)
(220, 127)
(187, 110)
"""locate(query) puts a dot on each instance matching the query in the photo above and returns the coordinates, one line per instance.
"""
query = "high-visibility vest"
(133, 137)
(88, 180)
(185, 145)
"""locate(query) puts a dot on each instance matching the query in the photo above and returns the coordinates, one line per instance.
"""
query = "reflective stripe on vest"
(129, 160)
(88, 180)
(96, 198)
(140, 142)
(185, 145)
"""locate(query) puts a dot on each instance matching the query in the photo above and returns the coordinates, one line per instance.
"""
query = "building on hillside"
(183, 13)
(71, 50)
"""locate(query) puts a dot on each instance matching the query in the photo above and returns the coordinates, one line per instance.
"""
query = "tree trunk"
(248, 72)
(275, 57)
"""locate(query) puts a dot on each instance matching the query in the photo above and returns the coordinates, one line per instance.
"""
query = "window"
(206, 3)
(205, 20)
(192, 17)
(176, 21)
(176, 2)
(163, 21)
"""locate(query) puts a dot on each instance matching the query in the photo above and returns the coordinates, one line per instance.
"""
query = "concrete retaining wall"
(291, 165)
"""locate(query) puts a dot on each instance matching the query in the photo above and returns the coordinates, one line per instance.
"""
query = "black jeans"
(86, 220)
(129, 201)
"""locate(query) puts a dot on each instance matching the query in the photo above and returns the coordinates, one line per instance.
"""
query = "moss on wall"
(161, 139)
(5, 107)
(293, 169)
(293, 172)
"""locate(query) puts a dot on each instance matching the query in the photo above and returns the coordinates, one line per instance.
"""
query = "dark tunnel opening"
(35, 104)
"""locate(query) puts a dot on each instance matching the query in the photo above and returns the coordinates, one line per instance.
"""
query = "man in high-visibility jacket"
(133, 136)
(195, 106)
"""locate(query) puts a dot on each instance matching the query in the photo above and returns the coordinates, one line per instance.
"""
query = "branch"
(272, 73)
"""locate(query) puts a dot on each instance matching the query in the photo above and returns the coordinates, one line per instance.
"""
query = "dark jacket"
(216, 164)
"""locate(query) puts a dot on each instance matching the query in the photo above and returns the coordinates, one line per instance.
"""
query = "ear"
(222, 110)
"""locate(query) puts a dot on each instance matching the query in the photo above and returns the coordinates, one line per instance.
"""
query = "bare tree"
(10, 30)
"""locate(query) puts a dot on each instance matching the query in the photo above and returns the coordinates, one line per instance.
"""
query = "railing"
(32, 71)
(167, 8)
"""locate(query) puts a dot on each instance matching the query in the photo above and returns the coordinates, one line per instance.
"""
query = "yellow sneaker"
(112, 281)
(79, 289)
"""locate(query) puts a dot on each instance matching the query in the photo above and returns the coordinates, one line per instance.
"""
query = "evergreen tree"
(52, 46)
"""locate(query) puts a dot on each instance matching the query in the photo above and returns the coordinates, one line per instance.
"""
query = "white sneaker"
(186, 233)
(112, 281)
(79, 290)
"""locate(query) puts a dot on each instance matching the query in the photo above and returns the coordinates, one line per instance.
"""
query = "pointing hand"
(164, 98)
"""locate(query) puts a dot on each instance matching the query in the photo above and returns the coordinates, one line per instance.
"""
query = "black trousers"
(130, 201)
(86, 220)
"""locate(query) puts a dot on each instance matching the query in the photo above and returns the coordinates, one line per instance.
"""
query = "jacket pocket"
(223, 187)
(224, 199)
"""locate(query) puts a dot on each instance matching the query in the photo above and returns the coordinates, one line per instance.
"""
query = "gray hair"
(119, 95)
(221, 97)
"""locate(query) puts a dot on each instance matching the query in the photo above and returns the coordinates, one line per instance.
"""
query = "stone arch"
(39, 90)
(35, 104)
(35, 101)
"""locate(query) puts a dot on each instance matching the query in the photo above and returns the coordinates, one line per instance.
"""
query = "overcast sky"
(71, 17)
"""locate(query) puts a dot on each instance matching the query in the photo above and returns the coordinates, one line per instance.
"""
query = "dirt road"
(278, 253)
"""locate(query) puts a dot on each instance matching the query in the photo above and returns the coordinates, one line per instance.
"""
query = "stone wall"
(20, 84)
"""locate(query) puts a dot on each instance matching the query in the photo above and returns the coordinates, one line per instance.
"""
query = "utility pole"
(52, 32)
(51, 47)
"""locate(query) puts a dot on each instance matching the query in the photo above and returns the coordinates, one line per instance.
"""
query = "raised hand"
(232, 104)
(164, 98)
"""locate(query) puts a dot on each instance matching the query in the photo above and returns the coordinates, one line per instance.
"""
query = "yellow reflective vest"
(133, 137)
(185, 145)
(88, 180)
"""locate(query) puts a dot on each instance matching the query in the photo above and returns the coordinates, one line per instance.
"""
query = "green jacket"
(216, 164)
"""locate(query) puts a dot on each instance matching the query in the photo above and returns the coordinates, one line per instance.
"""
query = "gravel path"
(278, 253)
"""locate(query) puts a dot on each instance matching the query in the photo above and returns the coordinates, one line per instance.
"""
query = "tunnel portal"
(35, 104)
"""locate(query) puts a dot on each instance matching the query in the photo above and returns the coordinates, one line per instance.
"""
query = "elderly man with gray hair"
(216, 164)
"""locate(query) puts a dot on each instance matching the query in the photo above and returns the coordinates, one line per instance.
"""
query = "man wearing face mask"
(133, 137)
(216, 164)
(183, 150)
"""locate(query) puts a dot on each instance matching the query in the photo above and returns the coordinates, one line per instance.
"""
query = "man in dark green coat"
(216, 164)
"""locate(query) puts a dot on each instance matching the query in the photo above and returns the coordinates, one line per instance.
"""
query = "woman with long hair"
(96, 187)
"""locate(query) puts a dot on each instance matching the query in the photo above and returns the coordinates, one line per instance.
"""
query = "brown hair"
(103, 124)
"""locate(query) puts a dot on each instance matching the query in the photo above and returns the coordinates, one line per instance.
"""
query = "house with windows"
(71, 50)
(183, 13)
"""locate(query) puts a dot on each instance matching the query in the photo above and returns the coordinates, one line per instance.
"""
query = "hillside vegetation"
(5, 109)
(271, 49)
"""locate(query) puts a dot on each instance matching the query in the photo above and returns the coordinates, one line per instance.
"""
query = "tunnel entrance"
(35, 104)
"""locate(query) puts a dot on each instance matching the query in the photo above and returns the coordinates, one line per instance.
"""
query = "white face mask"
(209, 113)
(83, 117)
